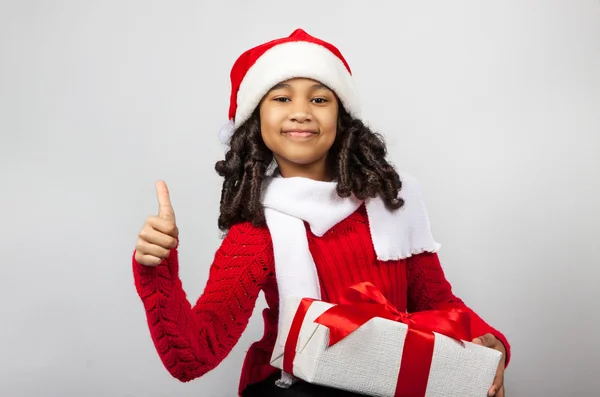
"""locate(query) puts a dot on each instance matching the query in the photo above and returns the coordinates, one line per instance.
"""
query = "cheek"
(331, 127)
(329, 123)
(269, 126)
(269, 132)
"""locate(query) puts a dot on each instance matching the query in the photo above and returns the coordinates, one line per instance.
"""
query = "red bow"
(363, 301)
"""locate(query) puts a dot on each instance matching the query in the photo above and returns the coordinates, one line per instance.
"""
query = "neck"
(317, 171)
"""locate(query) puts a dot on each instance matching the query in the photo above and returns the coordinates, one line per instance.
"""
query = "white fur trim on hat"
(290, 60)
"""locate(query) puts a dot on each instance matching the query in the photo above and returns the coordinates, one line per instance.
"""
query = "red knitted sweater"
(192, 340)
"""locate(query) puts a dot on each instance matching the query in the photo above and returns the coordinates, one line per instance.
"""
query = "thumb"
(487, 340)
(165, 209)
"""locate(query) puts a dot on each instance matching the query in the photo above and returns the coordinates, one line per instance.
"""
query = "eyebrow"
(316, 86)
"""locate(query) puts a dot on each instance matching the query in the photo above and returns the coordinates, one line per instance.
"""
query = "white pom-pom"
(226, 132)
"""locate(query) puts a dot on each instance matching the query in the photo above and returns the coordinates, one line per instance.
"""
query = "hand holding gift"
(489, 340)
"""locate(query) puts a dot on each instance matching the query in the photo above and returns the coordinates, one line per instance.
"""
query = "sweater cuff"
(169, 267)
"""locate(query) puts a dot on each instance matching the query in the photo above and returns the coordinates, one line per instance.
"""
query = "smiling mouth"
(299, 133)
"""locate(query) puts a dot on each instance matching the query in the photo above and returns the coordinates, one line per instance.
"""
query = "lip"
(299, 133)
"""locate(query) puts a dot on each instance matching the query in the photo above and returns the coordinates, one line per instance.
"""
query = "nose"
(300, 112)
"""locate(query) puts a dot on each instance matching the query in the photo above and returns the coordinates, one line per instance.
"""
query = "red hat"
(260, 68)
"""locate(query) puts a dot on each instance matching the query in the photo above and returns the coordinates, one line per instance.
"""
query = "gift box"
(365, 345)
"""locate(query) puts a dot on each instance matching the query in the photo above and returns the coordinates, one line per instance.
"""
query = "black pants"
(267, 388)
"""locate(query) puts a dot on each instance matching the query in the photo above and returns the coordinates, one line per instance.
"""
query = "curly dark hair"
(357, 158)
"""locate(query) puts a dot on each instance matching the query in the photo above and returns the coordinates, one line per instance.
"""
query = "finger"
(493, 391)
(496, 391)
(501, 392)
(165, 209)
(498, 383)
(163, 225)
(149, 260)
(147, 248)
(160, 232)
(487, 340)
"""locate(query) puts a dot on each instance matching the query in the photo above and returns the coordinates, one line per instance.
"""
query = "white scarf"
(290, 201)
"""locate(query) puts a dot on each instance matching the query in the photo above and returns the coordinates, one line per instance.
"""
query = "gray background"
(494, 106)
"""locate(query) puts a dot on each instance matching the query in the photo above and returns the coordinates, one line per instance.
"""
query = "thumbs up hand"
(159, 234)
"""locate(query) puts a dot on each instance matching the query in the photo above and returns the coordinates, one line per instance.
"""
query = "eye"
(320, 100)
(281, 99)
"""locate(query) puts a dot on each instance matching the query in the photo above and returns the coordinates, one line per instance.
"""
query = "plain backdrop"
(493, 105)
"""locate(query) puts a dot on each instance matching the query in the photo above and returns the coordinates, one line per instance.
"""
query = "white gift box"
(368, 360)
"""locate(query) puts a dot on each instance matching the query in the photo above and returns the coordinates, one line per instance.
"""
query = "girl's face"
(298, 120)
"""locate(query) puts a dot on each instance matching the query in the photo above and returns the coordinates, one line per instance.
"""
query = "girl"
(331, 213)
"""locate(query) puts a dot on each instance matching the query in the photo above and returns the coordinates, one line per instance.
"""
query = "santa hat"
(299, 55)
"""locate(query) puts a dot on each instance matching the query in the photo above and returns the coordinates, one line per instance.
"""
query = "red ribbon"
(364, 301)
(292, 340)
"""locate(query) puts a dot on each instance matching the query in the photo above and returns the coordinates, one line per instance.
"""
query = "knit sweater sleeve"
(428, 289)
(192, 341)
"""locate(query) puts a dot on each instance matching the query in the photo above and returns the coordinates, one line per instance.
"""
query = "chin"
(302, 158)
